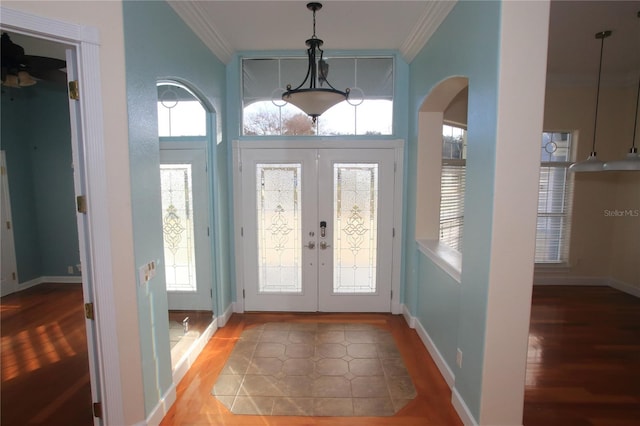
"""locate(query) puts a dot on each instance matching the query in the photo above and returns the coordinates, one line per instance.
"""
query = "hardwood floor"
(196, 406)
(584, 358)
(583, 366)
(45, 369)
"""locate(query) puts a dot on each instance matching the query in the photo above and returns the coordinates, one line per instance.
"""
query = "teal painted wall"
(466, 44)
(37, 139)
(158, 45)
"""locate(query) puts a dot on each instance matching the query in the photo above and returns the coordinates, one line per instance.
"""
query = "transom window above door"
(180, 113)
(368, 111)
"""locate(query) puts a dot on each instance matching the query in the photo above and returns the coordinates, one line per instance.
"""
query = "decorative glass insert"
(356, 227)
(554, 198)
(178, 227)
(368, 111)
(180, 113)
(278, 189)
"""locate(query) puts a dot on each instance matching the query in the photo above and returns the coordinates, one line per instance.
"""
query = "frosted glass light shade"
(314, 101)
(25, 79)
(631, 162)
(591, 164)
(11, 80)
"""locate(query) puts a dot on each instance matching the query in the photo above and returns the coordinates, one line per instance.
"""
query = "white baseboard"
(437, 357)
(224, 318)
(238, 307)
(567, 280)
(588, 281)
(71, 279)
(462, 409)
(624, 287)
(411, 320)
(189, 357)
(162, 408)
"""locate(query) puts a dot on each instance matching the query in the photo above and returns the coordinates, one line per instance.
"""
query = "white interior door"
(187, 248)
(317, 229)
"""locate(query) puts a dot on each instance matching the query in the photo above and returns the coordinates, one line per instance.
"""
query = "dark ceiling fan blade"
(42, 63)
(54, 76)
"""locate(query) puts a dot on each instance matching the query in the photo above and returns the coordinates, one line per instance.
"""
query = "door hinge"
(8, 225)
(3, 171)
(81, 202)
(211, 293)
(391, 294)
(13, 276)
(208, 231)
(243, 294)
(97, 409)
(74, 91)
(395, 167)
(393, 232)
(241, 231)
(88, 311)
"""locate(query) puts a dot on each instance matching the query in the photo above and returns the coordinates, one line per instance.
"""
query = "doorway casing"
(396, 144)
(94, 232)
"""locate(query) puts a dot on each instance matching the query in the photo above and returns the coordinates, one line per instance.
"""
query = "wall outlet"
(70, 270)
(459, 358)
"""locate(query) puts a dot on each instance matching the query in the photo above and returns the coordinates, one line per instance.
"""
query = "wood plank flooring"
(45, 369)
(583, 367)
(584, 358)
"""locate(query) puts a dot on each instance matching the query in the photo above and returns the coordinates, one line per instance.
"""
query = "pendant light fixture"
(592, 164)
(315, 100)
(631, 162)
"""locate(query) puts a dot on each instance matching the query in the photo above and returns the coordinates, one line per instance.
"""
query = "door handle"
(324, 245)
(311, 245)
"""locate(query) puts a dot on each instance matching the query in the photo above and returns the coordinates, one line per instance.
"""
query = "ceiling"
(231, 26)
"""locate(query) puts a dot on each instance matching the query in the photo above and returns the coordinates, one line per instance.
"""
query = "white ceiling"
(236, 25)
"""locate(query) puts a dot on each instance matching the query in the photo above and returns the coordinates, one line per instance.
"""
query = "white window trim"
(448, 259)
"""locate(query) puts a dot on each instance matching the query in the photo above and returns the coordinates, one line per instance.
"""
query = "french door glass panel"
(177, 227)
(279, 228)
(355, 217)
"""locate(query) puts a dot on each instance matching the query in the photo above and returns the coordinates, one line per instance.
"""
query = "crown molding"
(193, 15)
(428, 23)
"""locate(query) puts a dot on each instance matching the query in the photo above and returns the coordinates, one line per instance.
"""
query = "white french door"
(187, 250)
(318, 229)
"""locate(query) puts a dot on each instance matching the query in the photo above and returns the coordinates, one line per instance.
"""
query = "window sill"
(448, 259)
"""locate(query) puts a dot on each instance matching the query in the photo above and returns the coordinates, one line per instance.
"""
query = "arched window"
(180, 113)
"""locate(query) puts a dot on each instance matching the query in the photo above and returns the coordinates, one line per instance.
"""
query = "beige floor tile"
(269, 350)
(253, 405)
(269, 366)
(332, 407)
(394, 367)
(373, 407)
(401, 387)
(255, 385)
(296, 386)
(299, 350)
(227, 385)
(366, 367)
(369, 387)
(331, 387)
(293, 407)
(332, 367)
(298, 367)
(331, 350)
(362, 350)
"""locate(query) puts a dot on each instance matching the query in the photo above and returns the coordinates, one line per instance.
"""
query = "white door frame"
(320, 143)
(9, 285)
(94, 237)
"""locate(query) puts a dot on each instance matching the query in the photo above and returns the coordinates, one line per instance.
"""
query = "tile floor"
(315, 369)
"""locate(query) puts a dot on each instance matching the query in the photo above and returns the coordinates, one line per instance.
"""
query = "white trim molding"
(433, 16)
(189, 357)
(446, 258)
(224, 318)
(462, 409)
(624, 287)
(162, 408)
(437, 357)
(192, 15)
